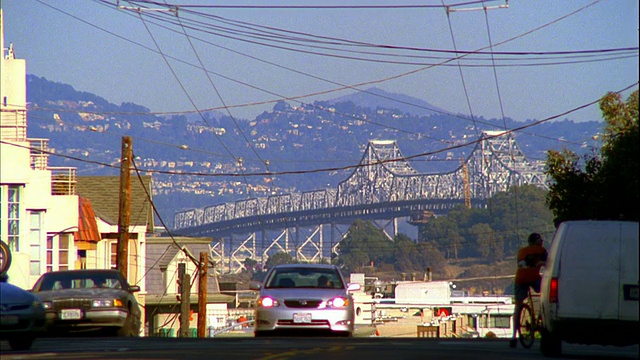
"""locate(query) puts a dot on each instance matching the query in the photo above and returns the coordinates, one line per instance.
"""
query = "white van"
(589, 292)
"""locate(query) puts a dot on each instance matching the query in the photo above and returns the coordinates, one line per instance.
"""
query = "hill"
(375, 98)
(198, 160)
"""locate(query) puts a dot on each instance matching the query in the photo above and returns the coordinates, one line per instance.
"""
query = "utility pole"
(124, 213)
(185, 302)
(202, 294)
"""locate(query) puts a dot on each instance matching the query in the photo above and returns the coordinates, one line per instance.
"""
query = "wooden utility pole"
(202, 294)
(124, 213)
(185, 304)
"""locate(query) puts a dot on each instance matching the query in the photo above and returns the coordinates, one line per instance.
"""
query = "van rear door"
(629, 271)
(589, 266)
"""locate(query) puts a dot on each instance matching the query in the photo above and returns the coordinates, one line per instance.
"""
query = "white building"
(47, 215)
(38, 204)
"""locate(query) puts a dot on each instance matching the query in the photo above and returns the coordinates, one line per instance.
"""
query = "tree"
(603, 186)
(250, 264)
(510, 215)
(404, 253)
(484, 239)
(279, 258)
(364, 243)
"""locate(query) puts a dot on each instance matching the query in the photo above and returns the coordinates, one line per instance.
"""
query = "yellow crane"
(466, 185)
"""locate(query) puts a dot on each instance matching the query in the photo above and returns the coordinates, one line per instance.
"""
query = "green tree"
(605, 185)
(510, 216)
(428, 256)
(363, 244)
(444, 231)
(484, 239)
(405, 254)
(280, 258)
(250, 264)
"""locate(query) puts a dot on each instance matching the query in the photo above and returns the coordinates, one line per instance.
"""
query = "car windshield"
(73, 280)
(301, 277)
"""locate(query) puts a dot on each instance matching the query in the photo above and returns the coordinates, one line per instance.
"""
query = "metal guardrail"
(211, 332)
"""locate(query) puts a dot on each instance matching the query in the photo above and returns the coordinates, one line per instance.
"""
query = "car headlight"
(107, 303)
(268, 302)
(46, 304)
(338, 302)
(36, 304)
(102, 303)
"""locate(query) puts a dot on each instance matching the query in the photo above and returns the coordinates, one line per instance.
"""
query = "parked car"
(589, 292)
(299, 298)
(84, 300)
(22, 316)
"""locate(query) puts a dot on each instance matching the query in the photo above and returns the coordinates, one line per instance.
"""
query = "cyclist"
(530, 259)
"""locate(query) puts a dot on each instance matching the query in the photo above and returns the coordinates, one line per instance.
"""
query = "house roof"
(161, 251)
(103, 191)
(87, 226)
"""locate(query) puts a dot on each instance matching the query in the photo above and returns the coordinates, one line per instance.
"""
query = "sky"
(534, 59)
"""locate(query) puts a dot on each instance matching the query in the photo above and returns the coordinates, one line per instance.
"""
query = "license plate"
(8, 320)
(303, 318)
(71, 314)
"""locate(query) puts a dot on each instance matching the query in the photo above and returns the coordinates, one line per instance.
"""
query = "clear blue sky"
(95, 47)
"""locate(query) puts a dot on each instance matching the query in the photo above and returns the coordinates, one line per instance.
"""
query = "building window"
(82, 257)
(496, 321)
(13, 217)
(63, 251)
(58, 252)
(35, 242)
(114, 255)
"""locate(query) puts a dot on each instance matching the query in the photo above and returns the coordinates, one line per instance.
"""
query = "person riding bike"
(530, 259)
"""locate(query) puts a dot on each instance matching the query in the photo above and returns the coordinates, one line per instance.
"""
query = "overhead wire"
(221, 6)
(354, 87)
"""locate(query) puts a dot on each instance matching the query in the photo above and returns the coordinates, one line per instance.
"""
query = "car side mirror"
(353, 287)
(254, 285)
(541, 270)
(134, 288)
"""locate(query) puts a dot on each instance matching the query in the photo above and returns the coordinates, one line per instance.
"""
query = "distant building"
(164, 256)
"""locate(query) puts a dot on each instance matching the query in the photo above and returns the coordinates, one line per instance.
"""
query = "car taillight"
(553, 290)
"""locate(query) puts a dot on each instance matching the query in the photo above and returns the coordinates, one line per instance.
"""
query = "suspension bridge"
(383, 188)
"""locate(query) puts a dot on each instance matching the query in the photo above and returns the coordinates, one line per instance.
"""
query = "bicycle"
(530, 322)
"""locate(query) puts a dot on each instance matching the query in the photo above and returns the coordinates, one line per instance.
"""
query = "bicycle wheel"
(527, 327)
(5, 257)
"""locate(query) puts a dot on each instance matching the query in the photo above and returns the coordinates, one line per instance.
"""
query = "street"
(297, 348)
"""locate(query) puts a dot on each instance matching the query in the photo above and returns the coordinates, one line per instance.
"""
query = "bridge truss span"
(383, 186)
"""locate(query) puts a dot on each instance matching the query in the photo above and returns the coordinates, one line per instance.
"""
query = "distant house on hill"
(163, 258)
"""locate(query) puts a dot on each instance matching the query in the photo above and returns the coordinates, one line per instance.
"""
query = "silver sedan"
(300, 298)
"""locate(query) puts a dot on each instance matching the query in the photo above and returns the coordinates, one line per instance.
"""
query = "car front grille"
(302, 304)
(71, 304)
(16, 307)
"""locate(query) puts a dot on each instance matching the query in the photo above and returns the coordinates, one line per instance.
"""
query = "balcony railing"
(63, 181)
(13, 124)
(39, 153)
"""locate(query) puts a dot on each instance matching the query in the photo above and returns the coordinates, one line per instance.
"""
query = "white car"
(298, 299)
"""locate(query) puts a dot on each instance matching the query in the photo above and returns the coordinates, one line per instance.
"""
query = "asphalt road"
(296, 348)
